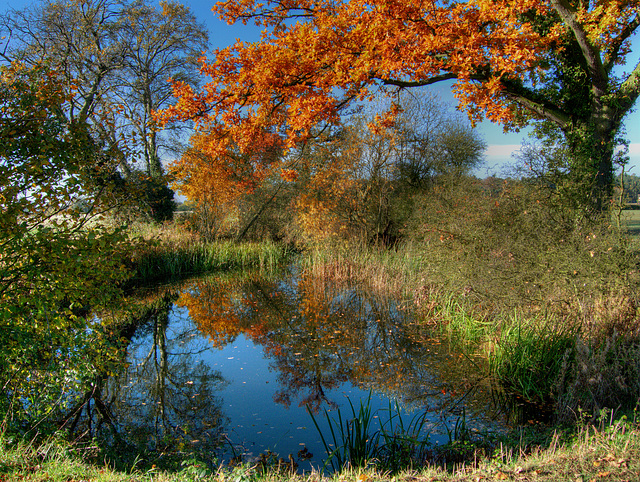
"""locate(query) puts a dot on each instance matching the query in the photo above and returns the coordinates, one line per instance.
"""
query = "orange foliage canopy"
(318, 56)
(215, 178)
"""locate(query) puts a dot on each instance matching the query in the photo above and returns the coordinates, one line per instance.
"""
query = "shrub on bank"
(547, 295)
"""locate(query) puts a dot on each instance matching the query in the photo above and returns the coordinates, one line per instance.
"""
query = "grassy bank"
(608, 450)
(568, 344)
(172, 253)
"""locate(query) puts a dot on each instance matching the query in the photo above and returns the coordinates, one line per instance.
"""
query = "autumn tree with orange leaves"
(215, 183)
(511, 62)
(361, 182)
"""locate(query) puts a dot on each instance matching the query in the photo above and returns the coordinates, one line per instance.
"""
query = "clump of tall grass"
(352, 440)
(383, 271)
(527, 356)
(594, 376)
(164, 261)
(392, 445)
(404, 443)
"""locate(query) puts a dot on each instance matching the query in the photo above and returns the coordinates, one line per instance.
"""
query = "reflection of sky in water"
(369, 360)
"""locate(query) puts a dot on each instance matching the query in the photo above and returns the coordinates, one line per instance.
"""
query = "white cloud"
(505, 150)
(502, 151)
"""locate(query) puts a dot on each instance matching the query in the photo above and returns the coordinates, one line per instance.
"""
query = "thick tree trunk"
(592, 169)
(593, 145)
(602, 159)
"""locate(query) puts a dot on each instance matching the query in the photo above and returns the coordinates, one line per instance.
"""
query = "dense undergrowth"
(547, 297)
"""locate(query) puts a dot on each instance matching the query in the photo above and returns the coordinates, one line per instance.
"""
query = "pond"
(231, 365)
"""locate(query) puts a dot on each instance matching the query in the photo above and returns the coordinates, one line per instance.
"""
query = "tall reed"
(164, 261)
(393, 446)
(527, 357)
(404, 444)
(352, 442)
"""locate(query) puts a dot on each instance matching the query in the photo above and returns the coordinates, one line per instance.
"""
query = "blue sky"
(499, 145)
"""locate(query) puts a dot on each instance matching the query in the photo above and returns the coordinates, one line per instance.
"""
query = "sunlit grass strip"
(167, 261)
(608, 450)
(459, 325)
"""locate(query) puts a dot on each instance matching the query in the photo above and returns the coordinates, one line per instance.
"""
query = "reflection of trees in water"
(166, 397)
(320, 334)
(215, 306)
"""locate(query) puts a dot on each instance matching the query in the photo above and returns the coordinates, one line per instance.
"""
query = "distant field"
(631, 219)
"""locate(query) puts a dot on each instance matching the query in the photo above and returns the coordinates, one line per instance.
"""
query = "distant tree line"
(631, 185)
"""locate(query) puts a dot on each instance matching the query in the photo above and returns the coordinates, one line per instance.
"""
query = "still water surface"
(232, 364)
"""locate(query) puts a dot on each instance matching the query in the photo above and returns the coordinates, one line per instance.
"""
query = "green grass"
(528, 355)
(606, 450)
(165, 261)
(630, 219)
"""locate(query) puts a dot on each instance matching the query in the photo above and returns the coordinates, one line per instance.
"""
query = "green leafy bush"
(58, 265)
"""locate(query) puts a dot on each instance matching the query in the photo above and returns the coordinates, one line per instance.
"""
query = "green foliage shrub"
(159, 197)
(141, 197)
(508, 246)
(504, 245)
(58, 264)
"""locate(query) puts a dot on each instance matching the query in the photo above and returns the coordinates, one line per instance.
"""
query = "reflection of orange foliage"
(213, 308)
(260, 333)
(322, 336)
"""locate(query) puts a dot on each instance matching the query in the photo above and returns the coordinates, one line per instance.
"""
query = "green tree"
(162, 44)
(117, 57)
(55, 267)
